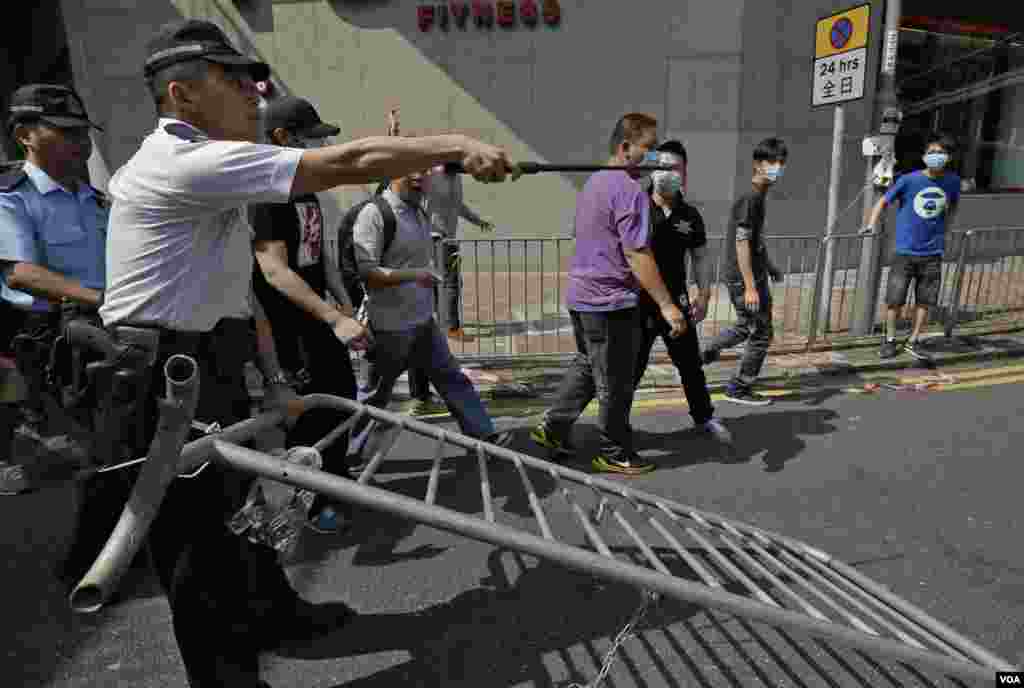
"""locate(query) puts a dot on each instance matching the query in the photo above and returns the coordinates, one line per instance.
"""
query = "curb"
(784, 378)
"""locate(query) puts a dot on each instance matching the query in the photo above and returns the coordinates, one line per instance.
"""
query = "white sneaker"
(716, 429)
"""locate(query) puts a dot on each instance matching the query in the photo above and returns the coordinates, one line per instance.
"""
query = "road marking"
(965, 379)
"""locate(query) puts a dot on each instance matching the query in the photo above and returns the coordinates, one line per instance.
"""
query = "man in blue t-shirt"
(928, 201)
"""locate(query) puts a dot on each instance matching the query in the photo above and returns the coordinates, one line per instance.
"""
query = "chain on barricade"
(650, 598)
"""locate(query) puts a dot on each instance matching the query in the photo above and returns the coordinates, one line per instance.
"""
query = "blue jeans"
(426, 348)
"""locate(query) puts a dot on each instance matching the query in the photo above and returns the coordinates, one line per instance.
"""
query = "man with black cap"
(291, 282)
(180, 260)
(53, 228)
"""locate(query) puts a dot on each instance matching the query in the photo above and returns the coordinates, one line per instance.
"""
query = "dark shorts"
(926, 273)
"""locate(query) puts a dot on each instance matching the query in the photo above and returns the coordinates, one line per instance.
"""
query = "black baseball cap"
(193, 39)
(298, 116)
(674, 147)
(54, 104)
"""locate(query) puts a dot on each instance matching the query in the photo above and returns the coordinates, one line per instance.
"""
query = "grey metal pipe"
(161, 467)
(260, 464)
(832, 216)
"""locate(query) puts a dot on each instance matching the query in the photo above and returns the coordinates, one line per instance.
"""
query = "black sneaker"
(915, 350)
(708, 356)
(502, 438)
(889, 349)
(745, 396)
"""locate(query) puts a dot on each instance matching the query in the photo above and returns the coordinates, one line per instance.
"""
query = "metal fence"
(512, 296)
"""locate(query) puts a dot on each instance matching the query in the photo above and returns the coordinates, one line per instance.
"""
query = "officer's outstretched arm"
(47, 284)
(376, 158)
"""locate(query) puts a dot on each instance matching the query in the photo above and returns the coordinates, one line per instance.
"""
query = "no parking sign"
(840, 56)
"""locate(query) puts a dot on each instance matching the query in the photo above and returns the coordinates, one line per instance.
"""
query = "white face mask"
(667, 183)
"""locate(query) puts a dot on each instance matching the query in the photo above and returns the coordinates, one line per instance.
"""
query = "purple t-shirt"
(612, 216)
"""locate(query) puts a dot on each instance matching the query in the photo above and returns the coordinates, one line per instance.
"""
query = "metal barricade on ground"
(640, 539)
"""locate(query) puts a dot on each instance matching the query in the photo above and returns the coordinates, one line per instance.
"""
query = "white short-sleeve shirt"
(179, 244)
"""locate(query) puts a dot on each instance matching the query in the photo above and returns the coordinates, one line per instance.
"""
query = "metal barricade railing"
(512, 295)
(989, 278)
(606, 529)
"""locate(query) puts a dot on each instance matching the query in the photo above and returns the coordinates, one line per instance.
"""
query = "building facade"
(549, 84)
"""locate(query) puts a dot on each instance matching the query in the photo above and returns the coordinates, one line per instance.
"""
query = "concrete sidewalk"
(532, 380)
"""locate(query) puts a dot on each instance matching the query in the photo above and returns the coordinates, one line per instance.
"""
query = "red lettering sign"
(425, 17)
(506, 10)
(460, 12)
(552, 12)
(528, 12)
(483, 13)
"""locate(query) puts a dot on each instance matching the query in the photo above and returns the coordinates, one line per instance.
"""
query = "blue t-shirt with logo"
(924, 205)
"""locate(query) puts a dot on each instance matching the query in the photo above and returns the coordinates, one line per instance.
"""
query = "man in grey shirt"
(400, 304)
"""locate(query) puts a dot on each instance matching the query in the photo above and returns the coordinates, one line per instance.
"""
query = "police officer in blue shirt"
(52, 237)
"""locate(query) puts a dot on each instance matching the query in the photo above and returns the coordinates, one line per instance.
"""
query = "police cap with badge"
(53, 104)
(194, 39)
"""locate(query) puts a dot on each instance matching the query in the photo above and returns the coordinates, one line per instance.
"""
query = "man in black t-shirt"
(746, 270)
(290, 281)
(677, 229)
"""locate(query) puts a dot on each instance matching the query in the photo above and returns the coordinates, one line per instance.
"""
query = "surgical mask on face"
(774, 172)
(311, 143)
(667, 183)
(936, 161)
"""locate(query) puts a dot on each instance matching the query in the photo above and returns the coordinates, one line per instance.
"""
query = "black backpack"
(346, 245)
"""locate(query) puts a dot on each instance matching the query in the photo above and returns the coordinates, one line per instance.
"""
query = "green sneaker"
(627, 465)
(543, 436)
(427, 407)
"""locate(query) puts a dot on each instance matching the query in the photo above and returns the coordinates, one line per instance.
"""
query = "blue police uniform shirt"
(924, 206)
(41, 222)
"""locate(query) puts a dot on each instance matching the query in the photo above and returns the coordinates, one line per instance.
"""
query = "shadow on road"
(378, 535)
(772, 435)
(498, 634)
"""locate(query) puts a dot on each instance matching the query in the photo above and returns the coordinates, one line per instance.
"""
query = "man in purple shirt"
(612, 264)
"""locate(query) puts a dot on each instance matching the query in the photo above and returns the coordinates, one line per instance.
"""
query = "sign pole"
(869, 272)
(835, 177)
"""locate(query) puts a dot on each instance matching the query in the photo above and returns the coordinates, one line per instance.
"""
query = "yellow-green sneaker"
(625, 465)
(543, 436)
(428, 407)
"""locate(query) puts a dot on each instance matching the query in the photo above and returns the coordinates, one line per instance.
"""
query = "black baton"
(537, 167)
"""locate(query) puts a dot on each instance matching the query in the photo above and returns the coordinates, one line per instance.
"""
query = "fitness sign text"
(485, 15)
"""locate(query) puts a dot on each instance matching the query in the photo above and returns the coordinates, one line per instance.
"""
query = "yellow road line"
(980, 383)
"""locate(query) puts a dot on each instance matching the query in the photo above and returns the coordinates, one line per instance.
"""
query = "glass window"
(965, 79)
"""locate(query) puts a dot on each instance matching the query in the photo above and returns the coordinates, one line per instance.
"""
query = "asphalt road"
(921, 491)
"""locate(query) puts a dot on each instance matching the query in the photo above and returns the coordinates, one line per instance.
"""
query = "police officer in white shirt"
(179, 258)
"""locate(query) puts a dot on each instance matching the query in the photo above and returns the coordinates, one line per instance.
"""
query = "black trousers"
(608, 343)
(684, 351)
(223, 590)
(330, 369)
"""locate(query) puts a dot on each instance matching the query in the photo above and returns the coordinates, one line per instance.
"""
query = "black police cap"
(54, 104)
(193, 39)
